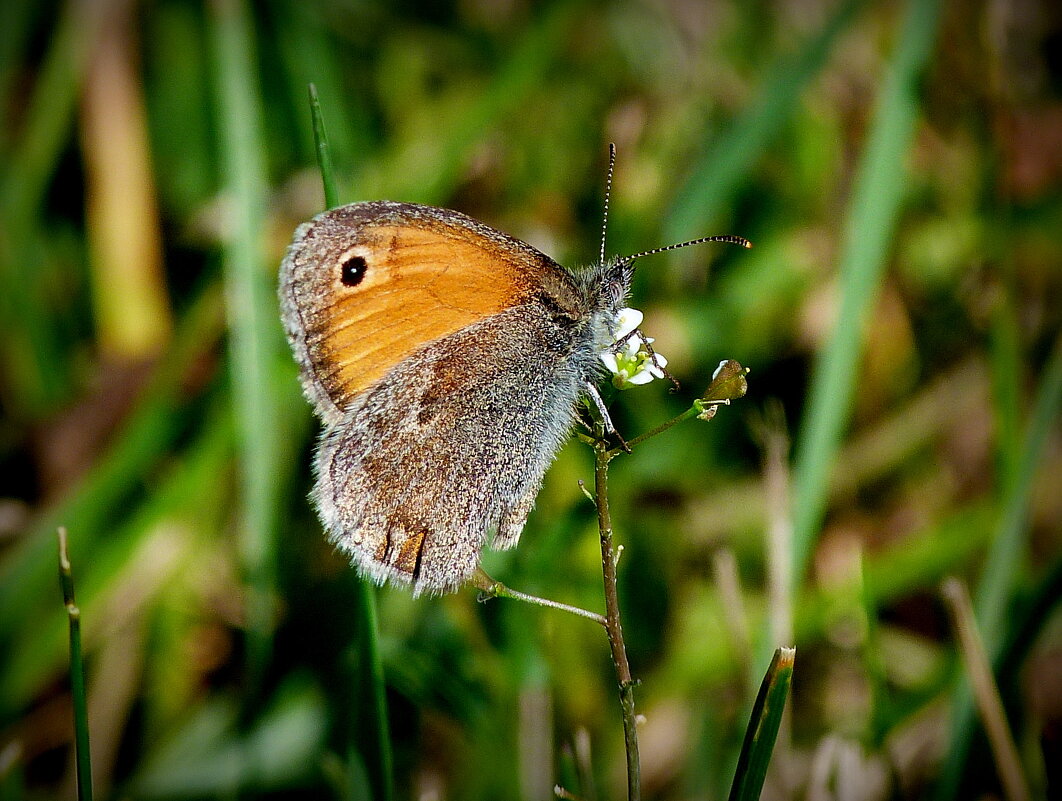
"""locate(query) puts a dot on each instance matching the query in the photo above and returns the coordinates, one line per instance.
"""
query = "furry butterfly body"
(445, 360)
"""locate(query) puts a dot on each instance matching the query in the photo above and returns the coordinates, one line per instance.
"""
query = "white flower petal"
(641, 377)
(626, 321)
(609, 359)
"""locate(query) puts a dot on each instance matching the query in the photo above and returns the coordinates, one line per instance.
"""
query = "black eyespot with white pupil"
(352, 271)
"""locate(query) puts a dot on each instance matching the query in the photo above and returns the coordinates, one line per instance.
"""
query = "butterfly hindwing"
(440, 451)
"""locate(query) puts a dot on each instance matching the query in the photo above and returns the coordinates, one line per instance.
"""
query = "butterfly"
(446, 361)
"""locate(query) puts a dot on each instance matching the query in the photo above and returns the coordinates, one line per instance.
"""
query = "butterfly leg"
(595, 396)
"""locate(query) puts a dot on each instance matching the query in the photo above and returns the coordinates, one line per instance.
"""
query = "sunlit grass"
(898, 310)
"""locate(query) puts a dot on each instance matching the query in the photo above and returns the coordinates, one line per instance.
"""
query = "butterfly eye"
(353, 271)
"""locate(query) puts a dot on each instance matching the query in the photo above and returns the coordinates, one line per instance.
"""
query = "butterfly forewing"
(365, 285)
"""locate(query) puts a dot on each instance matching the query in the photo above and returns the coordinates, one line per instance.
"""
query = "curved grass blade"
(763, 727)
(717, 178)
(878, 195)
(29, 343)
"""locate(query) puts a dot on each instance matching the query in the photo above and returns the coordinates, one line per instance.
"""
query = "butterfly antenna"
(734, 240)
(608, 195)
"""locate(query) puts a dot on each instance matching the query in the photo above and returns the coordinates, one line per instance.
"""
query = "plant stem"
(612, 623)
(372, 735)
(82, 754)
(660, 429)
(699, 406)
(376, 745)
(495, 589)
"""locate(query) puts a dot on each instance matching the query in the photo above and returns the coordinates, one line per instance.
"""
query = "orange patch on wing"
(419, 284)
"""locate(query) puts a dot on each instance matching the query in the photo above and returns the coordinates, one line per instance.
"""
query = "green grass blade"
(376, 748)
(18, 22)
(82, 753)
(716, 179)
(29, 346)
(996, 585)
(27, 570)
(253, 318)
(441, 162)
(375, 742)
(324, 151)
(310, 53)
(996, 588)
(878, 196)
(51, 109)
(179, 495)
(763, 727)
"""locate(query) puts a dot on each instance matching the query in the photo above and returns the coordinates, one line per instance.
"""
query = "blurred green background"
(897, 167)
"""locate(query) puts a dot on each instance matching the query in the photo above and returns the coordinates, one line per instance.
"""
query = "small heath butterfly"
(446, 361)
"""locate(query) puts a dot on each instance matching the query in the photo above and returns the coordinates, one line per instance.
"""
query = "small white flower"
(626, 321)
(610, 360)
(632, 364)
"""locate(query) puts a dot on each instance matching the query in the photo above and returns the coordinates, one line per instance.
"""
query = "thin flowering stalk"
(491, 588)
(728, 383)
(613, 625)
(632, 362)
